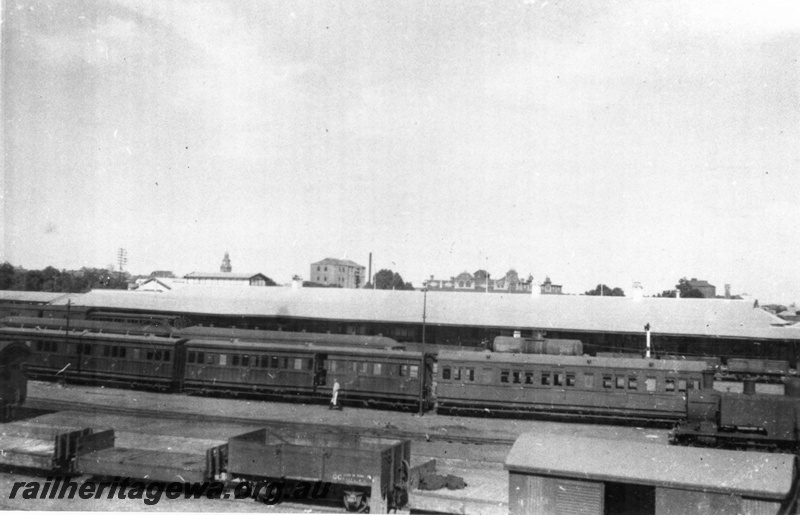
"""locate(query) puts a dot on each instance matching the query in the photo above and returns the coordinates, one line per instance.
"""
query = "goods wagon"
(367, 474)
(568, 386)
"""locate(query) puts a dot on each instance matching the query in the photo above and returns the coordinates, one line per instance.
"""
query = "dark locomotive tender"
(13, 379)
(742, 421)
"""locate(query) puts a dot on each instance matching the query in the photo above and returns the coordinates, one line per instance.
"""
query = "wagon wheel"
(356, 502)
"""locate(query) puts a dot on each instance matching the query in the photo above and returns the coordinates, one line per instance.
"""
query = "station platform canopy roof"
(32, 297)
(753, 474)
(714, 318)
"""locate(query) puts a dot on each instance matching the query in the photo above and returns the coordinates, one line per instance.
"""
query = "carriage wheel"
(356, 502)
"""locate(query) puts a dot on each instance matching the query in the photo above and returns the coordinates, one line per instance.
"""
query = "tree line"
(66, 281)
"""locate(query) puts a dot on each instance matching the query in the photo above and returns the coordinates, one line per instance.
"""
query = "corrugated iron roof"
(221, 275)
(42, 297)
(685, 317)
(754, 474)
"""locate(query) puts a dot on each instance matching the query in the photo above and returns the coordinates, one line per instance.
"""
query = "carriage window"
(470, 374)
(264, 361)
(245, 360)
(122, 352)
(403, 370)
(650, 384)
(457, 374)
(670, 385)
(150, 355)
(528, 377)
(114, 351)
(376, 369)
(284, 362)
(39, 345)
(504, 375)
(364, 368)
(167, 355)
(87, 349)
(190, 357)
(445, 373)
(545, 379)
(298, 364)
(210, 359)
(106, 350)
(516, 376)
(273, 363)
(310, 364)
(414, 371)
(607, 382)
(235, 360)
(633, 383)
(558, 379)
(620, 383)
(681, 385)
(201, 357)
(487, 375)
(223, 359)
(588, 381)
(570, 379)
(136, 353)
(695, 384)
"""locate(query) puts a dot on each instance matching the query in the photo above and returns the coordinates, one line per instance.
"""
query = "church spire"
(226, 263)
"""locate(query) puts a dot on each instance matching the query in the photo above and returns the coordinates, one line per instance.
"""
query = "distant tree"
(666, 293)
(687, 292)
(606, 291)
(7, 272)
(387, 280)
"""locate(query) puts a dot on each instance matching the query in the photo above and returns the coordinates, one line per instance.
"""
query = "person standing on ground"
(335, 398)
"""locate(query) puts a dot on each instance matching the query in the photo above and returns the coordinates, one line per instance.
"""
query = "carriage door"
(320, 374)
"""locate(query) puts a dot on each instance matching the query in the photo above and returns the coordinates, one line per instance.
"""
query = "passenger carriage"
(370, 376)
(612, 389)
(111, 359)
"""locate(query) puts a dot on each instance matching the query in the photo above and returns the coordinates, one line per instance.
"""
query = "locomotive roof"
(715, 318)
(259, 334)
(11, 350)
(565, 360)
(255, 346)
(30, 332)
(752, 474)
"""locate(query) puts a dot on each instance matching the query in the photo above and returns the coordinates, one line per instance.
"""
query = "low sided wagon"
(364, 472)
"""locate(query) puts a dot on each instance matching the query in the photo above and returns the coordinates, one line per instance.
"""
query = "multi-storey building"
(338, 272)
(481, 281)
(709, 291)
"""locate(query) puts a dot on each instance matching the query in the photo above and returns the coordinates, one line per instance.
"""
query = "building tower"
(226, 263)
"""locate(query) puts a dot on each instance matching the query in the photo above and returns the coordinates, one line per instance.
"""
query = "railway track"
(387, 431)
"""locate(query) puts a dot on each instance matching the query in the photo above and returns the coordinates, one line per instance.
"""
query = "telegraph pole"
(122, 259)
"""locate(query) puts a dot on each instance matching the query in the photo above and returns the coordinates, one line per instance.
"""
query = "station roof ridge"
(714, 318)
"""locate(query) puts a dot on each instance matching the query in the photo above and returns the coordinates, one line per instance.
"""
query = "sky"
(589, 142)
